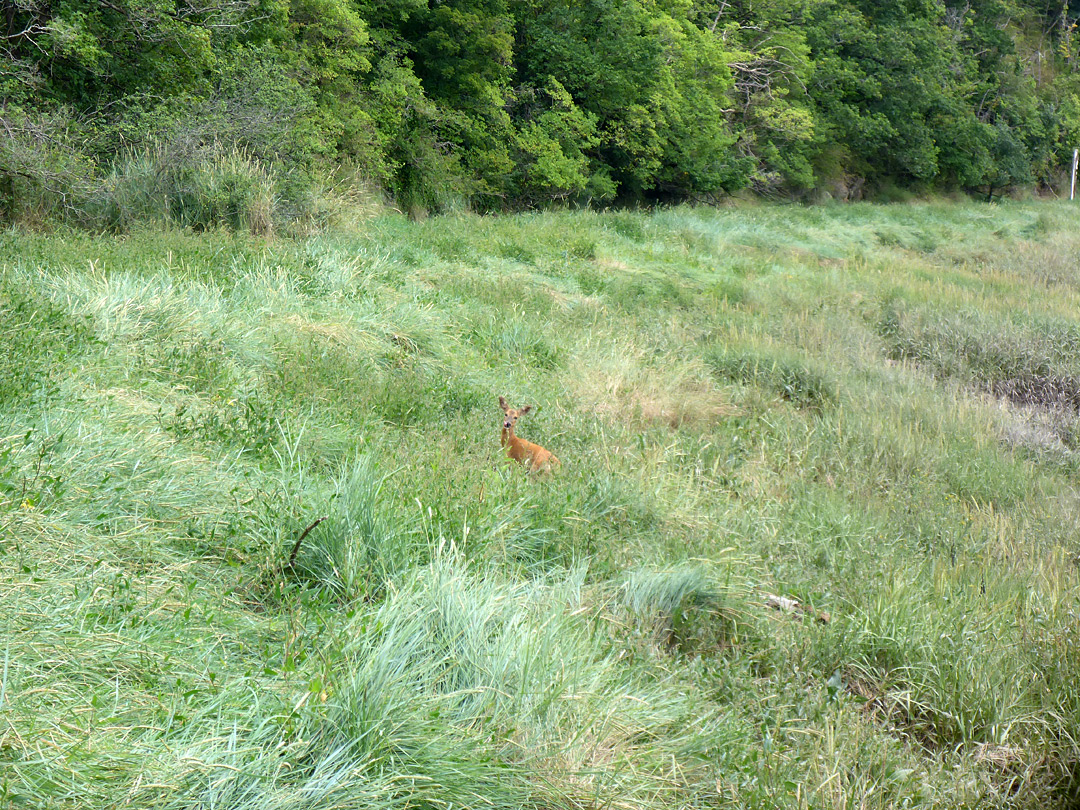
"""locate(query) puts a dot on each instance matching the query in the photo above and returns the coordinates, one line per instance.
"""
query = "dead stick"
(300, 539)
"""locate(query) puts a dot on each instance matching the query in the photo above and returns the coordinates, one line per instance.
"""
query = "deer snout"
(507, 424)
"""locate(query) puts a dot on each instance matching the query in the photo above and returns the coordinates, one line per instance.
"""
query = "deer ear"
(502, 404)
(526, 409)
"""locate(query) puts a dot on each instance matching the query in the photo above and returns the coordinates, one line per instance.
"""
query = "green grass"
(870, 410)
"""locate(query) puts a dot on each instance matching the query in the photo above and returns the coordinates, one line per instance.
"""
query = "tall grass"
(865, 414)
(214, 186)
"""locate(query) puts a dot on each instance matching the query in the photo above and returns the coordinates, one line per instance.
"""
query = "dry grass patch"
(649, 401)
(609, 263)
(339, 333)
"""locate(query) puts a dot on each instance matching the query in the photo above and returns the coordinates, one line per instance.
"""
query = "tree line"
(125, 106)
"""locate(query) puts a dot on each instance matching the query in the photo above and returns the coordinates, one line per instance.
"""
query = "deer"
(533, 456)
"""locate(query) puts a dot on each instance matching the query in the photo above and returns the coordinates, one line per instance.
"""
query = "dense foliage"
(225, 111)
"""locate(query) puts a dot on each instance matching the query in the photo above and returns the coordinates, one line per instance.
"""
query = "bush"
(42, 170)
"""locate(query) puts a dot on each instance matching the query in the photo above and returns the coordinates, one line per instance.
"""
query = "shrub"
(42, 170)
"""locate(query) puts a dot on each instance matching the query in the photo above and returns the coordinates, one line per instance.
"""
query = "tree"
(771, 64)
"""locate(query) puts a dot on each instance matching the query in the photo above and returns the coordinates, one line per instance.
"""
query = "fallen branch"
(300, 539)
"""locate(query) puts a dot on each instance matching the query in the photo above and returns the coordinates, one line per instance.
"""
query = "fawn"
(533, 456)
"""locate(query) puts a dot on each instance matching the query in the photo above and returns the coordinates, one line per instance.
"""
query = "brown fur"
(533, 456)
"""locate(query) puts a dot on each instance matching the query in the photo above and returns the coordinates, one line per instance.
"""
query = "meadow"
(865, 416)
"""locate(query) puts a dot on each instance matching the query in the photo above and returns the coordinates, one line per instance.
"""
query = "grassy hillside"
(869, 411)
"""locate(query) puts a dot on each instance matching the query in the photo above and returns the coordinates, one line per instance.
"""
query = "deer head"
(512, 414)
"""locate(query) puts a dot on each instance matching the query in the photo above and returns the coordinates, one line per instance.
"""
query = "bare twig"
(719, 14)
(300, 539)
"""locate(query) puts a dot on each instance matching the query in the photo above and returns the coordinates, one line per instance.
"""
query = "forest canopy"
(246, 111)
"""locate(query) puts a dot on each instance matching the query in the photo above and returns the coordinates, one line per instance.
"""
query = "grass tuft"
(784, 375)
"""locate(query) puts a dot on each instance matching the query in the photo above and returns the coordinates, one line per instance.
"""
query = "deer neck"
(508, 436)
